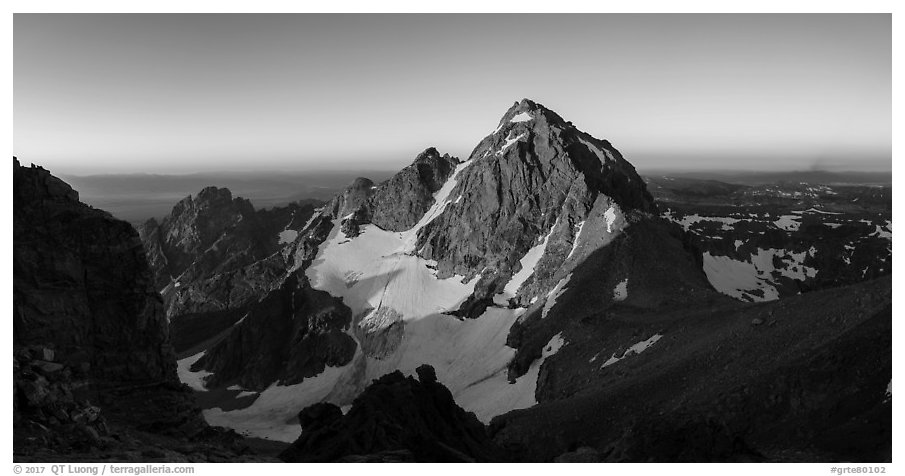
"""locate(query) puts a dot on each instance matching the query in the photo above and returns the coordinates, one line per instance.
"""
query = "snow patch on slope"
(880, 232)
(610, 216)
(814, 210)
(554, 294)
(788, 223)
(511, 141)
(575, 240)
(603, 156)
(195, 380)
(737, 278)
(688, 220)
(754, 280)
(287, 236)
(272, 415)
(634, 349)
(521, 117)
(620, 292)
(529, 262)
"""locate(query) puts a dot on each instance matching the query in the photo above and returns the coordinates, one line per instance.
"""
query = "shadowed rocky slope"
(93, 372)
(396, 419)
(789, 380)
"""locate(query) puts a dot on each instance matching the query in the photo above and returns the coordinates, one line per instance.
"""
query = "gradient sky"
(183, 93)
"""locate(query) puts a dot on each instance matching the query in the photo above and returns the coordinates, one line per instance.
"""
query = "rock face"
(291, 334)
(92, 363)
(81, 282)
(396, 418)
(400, 202)
(210, 235)
(213, 255)
(536, 175)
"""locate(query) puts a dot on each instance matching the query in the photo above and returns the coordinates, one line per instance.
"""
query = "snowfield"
(272, 414)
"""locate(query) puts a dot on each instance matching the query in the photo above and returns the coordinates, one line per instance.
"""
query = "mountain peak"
(429, 152)
(212, 193)
(530, 114)
(535, 176)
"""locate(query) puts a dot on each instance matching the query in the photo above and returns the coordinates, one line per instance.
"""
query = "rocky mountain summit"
(536, 175)
(94, 375)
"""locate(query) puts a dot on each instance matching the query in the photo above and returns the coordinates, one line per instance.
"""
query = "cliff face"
(93, 371)
(82, 285)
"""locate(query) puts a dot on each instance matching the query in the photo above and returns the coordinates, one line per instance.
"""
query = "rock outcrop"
(395, 419)
(291, 334)
(93, 371)
(214, 255)
(401, 201)
(212, 235)
(398, 203)
(82, 283)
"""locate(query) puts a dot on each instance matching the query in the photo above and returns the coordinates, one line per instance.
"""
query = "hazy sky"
(182, 93)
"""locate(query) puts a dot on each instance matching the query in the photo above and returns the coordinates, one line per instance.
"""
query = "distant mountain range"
(794, 176)
(138, 197)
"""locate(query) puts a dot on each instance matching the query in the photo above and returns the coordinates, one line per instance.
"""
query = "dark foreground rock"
(396, 419)
(94, 376)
